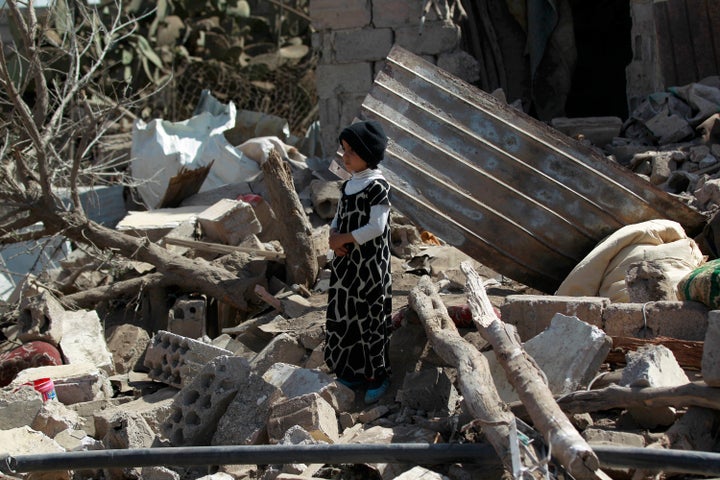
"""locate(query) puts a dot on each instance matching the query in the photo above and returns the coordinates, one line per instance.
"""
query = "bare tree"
(49, 129)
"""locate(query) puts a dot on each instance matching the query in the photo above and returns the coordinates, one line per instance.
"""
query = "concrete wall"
(353, 38)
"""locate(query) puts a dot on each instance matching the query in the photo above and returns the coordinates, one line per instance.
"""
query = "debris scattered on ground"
(136, 363)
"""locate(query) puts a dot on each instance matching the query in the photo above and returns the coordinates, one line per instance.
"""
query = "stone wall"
(353, 38)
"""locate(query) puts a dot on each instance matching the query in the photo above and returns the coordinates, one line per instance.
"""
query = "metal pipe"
(676, 461)
(659, 459)
(416, 453)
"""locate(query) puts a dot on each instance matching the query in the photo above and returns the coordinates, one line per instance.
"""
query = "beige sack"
(602, 272)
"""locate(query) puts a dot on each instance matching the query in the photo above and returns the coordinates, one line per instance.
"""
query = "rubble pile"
(171, 368)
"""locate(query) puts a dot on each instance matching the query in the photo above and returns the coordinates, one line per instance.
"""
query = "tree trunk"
(190, 274)
(295, 229)
(123, 289)
(567, 445)
(474, 378)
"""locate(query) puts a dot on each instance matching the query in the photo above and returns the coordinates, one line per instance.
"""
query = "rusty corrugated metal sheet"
(506, 189)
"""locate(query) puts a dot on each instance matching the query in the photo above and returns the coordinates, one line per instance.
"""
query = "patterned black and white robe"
(359, 312)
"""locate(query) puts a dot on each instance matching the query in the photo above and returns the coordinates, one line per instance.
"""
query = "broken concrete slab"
(24, 441)
(155, 224)
(74, 383)
(283, 348)
(83, 340)
(653, 366)
(54, 417)
(531, 314)
(19, 406)
(228, 221)
(155, 408)
(295, 381)
(682, 320)
(310, 411)
(566, 370)
(431, 390)
(128, 343)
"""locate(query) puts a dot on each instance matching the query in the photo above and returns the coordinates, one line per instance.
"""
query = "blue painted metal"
(510, 191)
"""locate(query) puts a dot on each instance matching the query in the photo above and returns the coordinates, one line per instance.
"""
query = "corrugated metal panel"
(506, 189)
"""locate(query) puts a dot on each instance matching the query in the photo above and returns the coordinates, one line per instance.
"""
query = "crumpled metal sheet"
(509, 191)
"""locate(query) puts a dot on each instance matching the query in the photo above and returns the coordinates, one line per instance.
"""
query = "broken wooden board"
(506, 189)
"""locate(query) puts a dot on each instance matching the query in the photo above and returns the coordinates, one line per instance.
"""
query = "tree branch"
(524, 375)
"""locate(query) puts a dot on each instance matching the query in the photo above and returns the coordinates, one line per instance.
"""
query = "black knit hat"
(367, 139)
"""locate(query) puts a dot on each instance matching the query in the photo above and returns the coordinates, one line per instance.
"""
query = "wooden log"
(268, 298)
(571, 450)
(694, 394)
(295, 229)
(223, 249)
(474, 379)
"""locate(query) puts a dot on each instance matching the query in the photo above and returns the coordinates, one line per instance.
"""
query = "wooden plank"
(682, 44)
(223, 249)
(688, 353)
(713, 14)
(702, 38)
(664, 43)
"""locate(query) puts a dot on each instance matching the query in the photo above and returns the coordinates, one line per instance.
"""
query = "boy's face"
(353, 162)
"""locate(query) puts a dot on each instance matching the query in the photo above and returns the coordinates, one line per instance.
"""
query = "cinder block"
(187, 317)
(328, 14)
(435, 38)
(399, 13)
(531, 314)
(366, 45)
(176, 360)
(682, 320)
(343, 78)
(243, 422)
(198, 407)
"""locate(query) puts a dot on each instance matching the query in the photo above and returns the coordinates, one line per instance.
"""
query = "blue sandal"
(372, 395)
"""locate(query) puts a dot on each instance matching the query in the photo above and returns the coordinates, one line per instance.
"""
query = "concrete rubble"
(207, 377)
